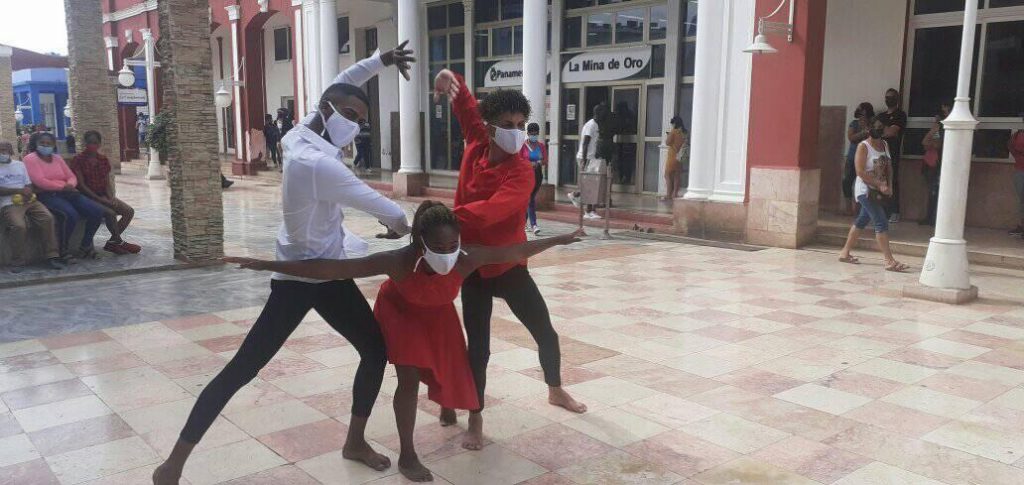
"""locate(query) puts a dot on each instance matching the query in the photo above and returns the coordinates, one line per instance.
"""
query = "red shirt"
(95, 170)
(490, 200)
(1017, 149)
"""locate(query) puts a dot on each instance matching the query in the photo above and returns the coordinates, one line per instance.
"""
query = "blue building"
(41, 94)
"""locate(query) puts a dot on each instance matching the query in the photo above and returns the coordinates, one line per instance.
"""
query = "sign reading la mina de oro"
(609, 65)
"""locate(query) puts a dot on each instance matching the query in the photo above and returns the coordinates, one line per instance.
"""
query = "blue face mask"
(44, 151)
(533, 138)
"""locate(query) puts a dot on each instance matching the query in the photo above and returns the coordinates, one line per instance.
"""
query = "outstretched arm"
(324, 269)
(478, 256)
(357, 74)
(334, 182)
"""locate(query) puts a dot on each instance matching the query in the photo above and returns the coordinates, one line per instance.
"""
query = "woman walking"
(856, 132)
(873, 187)
(416, 311)
(57, 190)
(678, 143)
(537, 154)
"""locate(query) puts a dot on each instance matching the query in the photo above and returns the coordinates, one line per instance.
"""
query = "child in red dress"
(416, 311)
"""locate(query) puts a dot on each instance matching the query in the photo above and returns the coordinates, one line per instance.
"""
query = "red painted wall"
(785, 93)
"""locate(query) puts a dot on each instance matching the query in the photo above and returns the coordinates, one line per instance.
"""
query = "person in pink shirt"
(55, 184)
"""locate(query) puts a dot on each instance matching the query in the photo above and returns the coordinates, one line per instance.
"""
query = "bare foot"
(558, 397)
(362, 452)
(474, 438)
(448, 417)
(166, 475)
(412, 469)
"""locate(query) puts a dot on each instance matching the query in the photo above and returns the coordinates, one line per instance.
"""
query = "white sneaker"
(588, 215)
(536, 231)
(894, 218)
(575, 199)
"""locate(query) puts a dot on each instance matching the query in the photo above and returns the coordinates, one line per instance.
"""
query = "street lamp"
(125, 77)
(222, 98)
(764, 27)
(18, 115)
(67, 110)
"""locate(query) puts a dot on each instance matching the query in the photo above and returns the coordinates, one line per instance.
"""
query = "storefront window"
(629, 26)
(655, 105)
(570, 4)
(658, 60)
(940, 6)
(659, 22)
(1005, 3)
(572, 33)
(481, 43)
(456, 15)
(456, 46)
(437, 17)
(599, 29)
(1002, 78)
(935, 67)
(438, 48)
(991, 143)
(482, 14)
(502, 42)
(689, 55)
(690, 27)
(511, 9)
(517, 39)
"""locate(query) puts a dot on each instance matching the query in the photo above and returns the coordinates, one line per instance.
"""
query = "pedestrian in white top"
(317, 187)
(586, 157)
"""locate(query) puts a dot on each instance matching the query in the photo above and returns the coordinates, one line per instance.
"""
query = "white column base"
(946, 264)
(697, 194)
(155, 172)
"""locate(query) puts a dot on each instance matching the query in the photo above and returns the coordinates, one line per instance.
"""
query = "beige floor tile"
(212, 331)
(612, 391)
(797, 368)
(894, 370)
(275, 417)
(1013, 399)
(492, 465)
(153, 335)
(515, 359)
(140, 476)
(989, 372)
(10, 381)
(332, 469)
(229, 462)
(336, 357)
(161, 354)
(61, 412)
(620, 468)
(615, 426)
(832, 401)
(102, 460)
(744, 470)
(91, 351)
(21, 347)
(506, 421)
(996, 330)
(134, 388)
(951, 348)
(668, 411)
(316, 382)
(16, 449)
(735, 433)
(929, 401)
(883, 474)
(511, 386)
(1005, 446)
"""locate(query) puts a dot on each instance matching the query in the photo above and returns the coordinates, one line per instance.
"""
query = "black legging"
(343, 307)
(517, 288)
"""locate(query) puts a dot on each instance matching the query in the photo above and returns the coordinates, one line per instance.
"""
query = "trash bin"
(593, 188)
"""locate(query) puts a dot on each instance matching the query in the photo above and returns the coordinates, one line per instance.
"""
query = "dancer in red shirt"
(416, 312)
(494, 189)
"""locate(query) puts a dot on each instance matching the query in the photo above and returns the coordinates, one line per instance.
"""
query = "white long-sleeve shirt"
(317, 187)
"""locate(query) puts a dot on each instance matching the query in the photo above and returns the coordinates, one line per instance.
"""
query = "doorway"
(373, 92)
(625, 103)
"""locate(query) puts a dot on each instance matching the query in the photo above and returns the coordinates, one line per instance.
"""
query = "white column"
(409, 91)
(111, 44)
(154, 171)
(669, 105)
(555, 67)
(734, 105)
(535, 25)
(328, 42)
(706, 94)
(234, 14)
(468, 36)
(945, 265)
(311, 26)
(298, 62)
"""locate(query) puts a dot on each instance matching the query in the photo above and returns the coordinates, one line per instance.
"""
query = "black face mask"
(891, 101)
(877, 133)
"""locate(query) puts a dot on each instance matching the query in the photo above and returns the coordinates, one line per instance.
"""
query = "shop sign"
(507, 73)
(131, 96)
(609, 65)
(570, 112)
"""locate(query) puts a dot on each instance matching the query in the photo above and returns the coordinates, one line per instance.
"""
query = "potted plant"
(156, 133)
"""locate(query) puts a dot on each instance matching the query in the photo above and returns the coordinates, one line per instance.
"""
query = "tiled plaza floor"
(700, 365)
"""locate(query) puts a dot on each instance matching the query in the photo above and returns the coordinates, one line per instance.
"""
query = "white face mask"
(509, 140)
(442, 264)
(341, 129)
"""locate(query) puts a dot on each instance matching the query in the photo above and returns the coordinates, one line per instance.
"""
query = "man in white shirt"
(19, 211)
(586, 157)
(316, 187)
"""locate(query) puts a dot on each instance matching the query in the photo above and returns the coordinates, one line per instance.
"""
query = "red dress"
(422, 329)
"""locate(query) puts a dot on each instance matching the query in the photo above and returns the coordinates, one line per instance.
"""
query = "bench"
(35, 244)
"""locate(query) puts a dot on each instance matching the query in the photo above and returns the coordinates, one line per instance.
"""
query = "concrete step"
(836, 237)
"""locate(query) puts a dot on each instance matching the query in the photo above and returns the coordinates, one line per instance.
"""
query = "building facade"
(41, 94)
(767, 131)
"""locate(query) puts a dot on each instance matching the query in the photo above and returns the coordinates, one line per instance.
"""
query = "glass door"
(626, 107)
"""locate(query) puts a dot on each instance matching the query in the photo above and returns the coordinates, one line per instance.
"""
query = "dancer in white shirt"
(317, 186)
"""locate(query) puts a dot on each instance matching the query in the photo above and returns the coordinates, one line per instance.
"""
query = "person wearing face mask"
(57, 190)
(873, 188)
(20, 211)
(534, 151)
(92, 169)
(895, 121)
(317, 187)
(416, 311)
(490, 201)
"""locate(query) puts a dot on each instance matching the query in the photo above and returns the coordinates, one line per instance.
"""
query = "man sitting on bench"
(20, 210)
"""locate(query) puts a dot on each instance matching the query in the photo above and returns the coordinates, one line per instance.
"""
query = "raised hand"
(445, 84)
(400, 57)
(573, 237)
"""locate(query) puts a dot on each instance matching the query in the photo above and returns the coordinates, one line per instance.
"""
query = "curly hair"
(502, 101)
(431, 215)
(33, 141)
